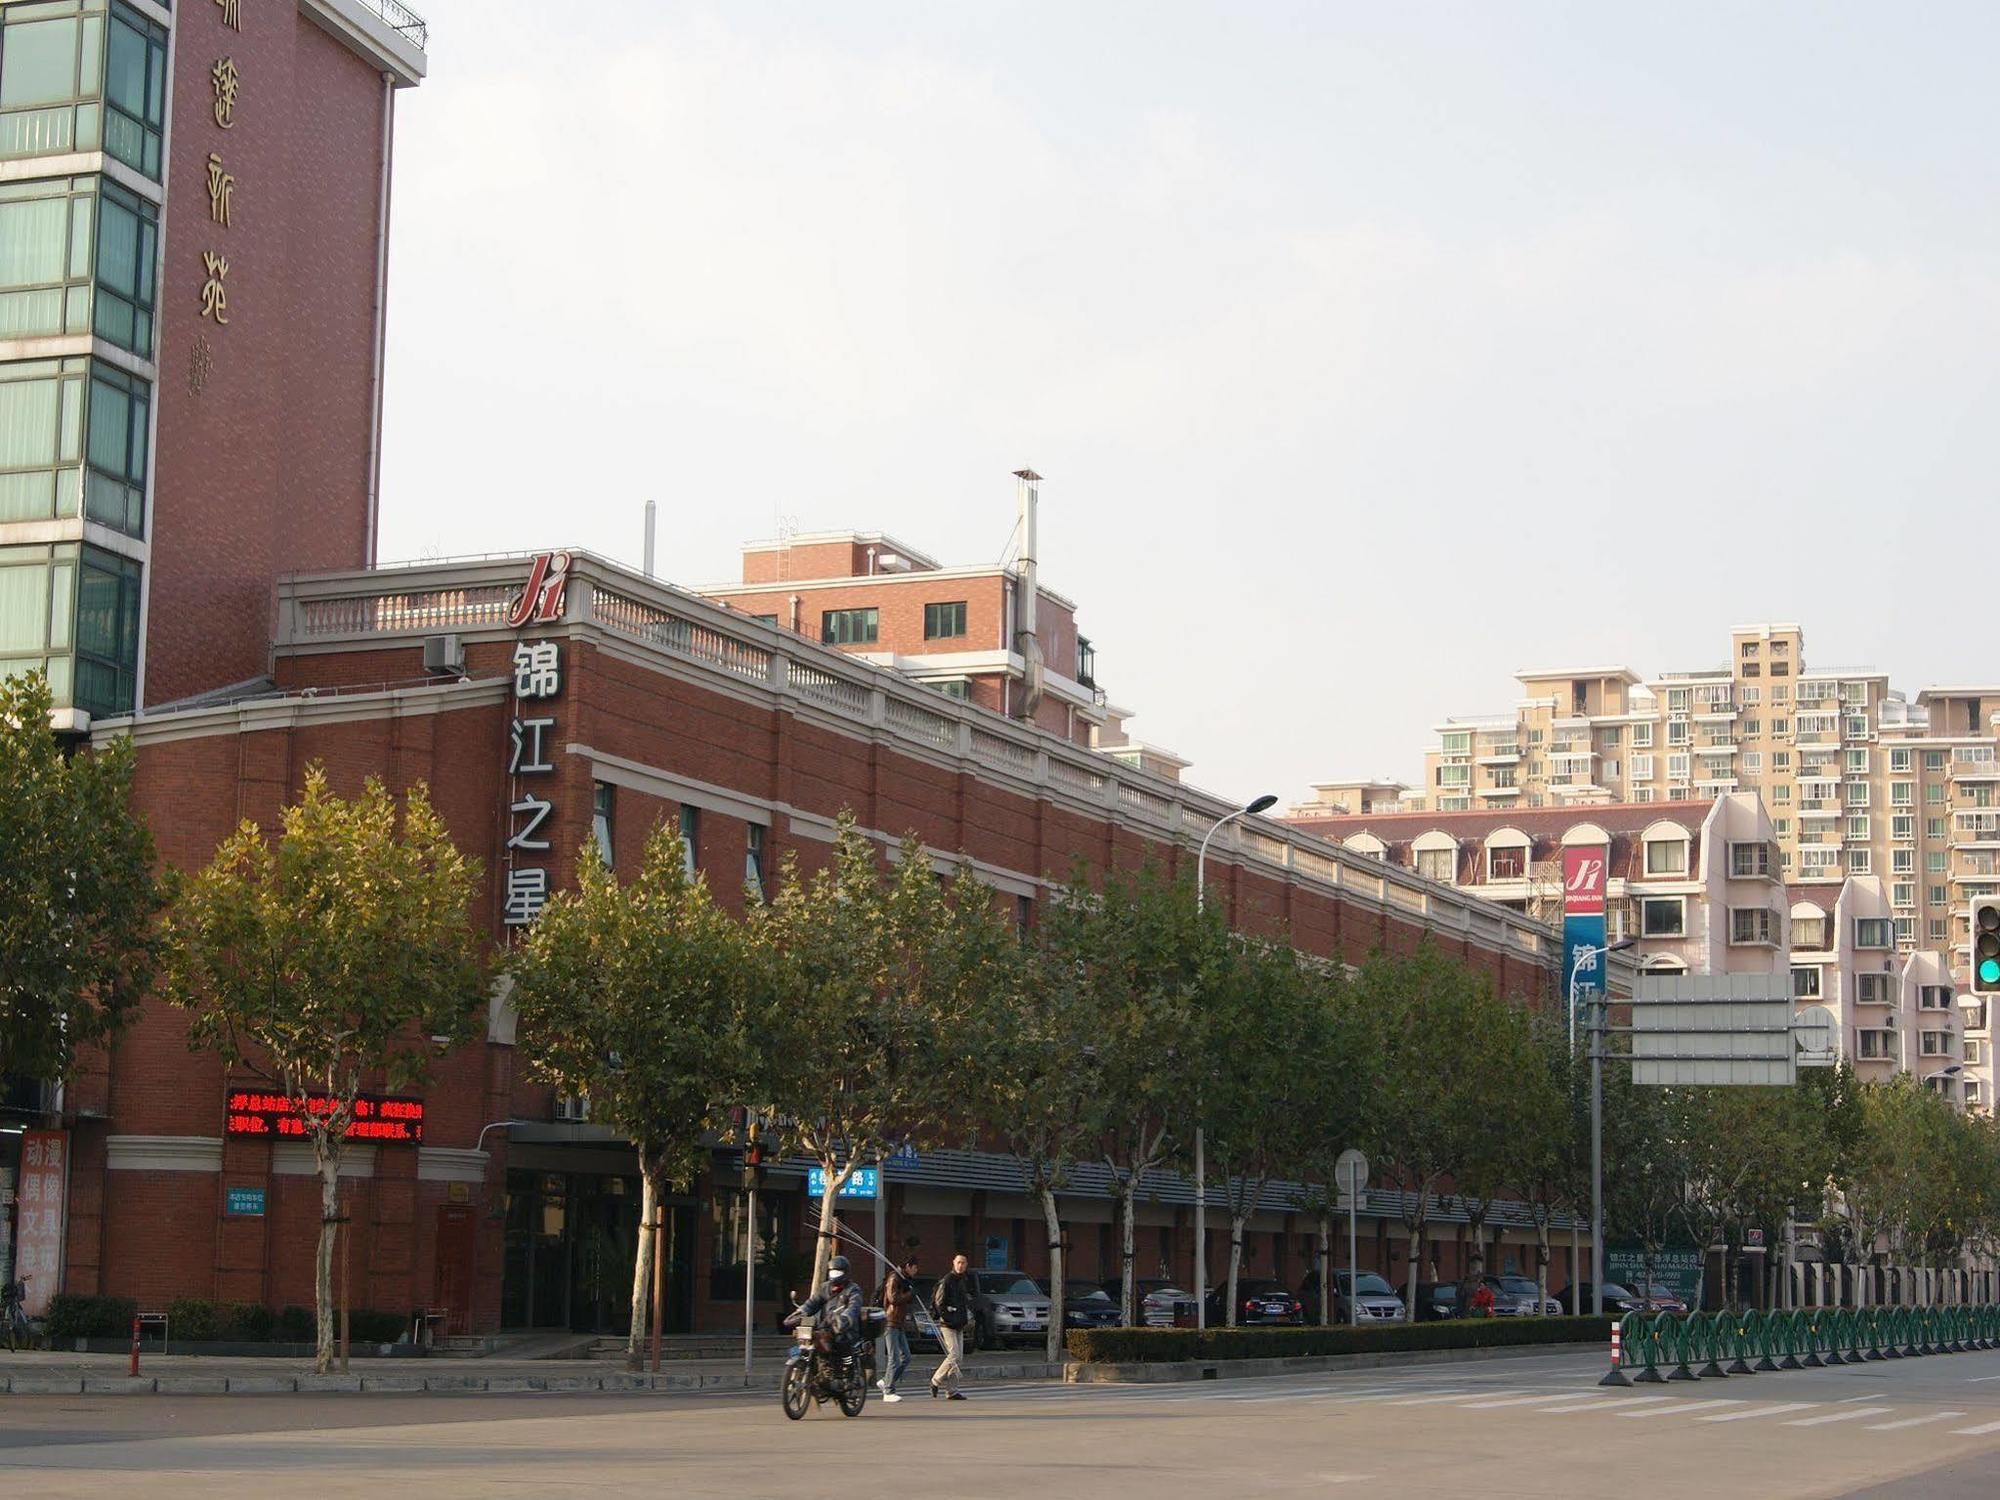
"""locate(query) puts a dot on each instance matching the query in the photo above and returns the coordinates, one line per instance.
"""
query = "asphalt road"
(1521, 1427)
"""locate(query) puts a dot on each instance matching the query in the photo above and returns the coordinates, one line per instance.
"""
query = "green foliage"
(867, 1034)
(77, 944)
(1166, 1345)
(339, 954)
(333, 954)
(1431, 1022)
(72, 1316)
(1133, 960)
(295, 1325)
(638, 997)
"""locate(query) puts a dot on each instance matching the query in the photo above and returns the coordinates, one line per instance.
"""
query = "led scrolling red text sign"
(377, 1117)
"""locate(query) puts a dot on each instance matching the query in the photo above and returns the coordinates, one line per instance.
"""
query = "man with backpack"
(951, 1301)
(898, 1298)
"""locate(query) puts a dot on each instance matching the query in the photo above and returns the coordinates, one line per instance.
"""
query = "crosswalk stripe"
(1846, 1414)
(1936, 1416)
(1661, 1406)
(1979, 1431)
(1595, 1403)
(1758, 1411)
(1430, 1400)
(1519, 1400)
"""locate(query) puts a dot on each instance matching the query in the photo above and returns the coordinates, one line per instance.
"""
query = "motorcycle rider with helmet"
(840, 1302)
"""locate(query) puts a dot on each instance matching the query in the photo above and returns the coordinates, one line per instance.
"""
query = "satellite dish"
(1814, 1028)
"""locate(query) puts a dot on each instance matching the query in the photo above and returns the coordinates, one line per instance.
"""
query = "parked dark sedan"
(1437, 1300)
(1085, 1304)
(1262, 1301)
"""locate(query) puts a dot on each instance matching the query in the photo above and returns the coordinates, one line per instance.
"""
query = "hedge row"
(196, 1320)
(1157, 1345)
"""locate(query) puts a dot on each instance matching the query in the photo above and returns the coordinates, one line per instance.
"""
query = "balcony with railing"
(405, 22)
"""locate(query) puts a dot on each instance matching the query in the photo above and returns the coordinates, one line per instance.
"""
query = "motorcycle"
(15, 1324)
(816, 1372)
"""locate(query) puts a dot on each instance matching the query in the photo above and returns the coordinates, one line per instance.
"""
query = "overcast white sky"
(1372, 351)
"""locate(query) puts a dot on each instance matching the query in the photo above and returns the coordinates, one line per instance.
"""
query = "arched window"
(1666, 856)
(1364, 844)
(1508, 851)
(1436, 856)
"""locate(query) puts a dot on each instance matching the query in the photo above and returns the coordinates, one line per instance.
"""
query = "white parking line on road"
(1666, 1406)
(1753, 1412)
(1845, 1414)
(1936, 1416)
(1979, 1431)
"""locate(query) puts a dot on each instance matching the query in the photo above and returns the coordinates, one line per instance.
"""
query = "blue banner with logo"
(1583, 924)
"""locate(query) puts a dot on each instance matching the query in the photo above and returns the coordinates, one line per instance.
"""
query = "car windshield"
(1368, 1284)
(1661, 1293)
(1006, 1284)
(1613, 1292)
(1445, 1293)
(1261, 1289)
(1520, 1286)
(1077, 1291)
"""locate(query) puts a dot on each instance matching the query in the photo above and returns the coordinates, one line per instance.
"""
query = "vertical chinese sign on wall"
(42, 1194)
(1583, 872)
(531, 742)
(225, 84)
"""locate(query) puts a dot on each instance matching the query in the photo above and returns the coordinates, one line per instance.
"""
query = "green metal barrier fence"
(1653, 1348)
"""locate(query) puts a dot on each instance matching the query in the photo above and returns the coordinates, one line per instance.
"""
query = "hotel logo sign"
(541, 600)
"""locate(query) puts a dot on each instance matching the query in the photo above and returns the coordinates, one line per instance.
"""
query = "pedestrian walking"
(899, 1297)
(951, 1300)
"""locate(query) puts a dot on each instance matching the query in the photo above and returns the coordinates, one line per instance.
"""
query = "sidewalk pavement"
(61, 1374)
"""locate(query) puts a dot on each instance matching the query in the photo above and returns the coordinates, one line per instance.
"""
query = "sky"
(1371, 352)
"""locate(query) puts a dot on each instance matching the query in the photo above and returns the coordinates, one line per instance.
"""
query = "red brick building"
(195, 209)
(663, 706)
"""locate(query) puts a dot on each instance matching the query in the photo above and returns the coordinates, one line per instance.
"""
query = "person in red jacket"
(1482, 1299)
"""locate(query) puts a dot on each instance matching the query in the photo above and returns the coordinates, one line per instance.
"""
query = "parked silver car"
(1007, 1306)
(1374, 1299)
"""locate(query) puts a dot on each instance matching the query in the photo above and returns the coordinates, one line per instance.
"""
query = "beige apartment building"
(1874, 798)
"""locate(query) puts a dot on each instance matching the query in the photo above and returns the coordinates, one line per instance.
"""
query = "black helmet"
(837, 1266)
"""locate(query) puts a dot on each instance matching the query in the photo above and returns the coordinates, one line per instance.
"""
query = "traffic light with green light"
(1986, 946)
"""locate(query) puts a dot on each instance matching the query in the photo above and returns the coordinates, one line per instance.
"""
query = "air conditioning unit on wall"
(444, 655)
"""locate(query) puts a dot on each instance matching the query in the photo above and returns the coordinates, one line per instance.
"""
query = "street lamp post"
(1250, 809)
(1596, 1113)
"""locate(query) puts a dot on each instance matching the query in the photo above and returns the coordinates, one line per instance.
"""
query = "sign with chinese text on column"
(42, 1194)
(531, 746)
(1583, 871)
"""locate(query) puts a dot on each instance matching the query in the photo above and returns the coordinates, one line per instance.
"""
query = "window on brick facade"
(1663, 916)
(849, 627)
(690, 839)
(753, 859)
(602, 795)
(943, 621)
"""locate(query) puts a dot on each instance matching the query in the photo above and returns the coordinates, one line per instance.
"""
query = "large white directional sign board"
(1713, 1029)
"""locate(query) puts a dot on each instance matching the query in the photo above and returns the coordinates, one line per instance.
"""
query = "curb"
(620, 1382)
(1240, 1369)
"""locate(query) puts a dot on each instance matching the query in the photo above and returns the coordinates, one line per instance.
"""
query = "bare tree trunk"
(1541, 1267)
(642, 1269)
(326, 1157)
(1236, 1222)
(823, 1249)
(1128, 1206)
(1416, 1229)
(1052, 1217)
(1325, 1272)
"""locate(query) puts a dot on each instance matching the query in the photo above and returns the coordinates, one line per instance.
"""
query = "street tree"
(1548, 1158)
(1336, 1098)
(1428, 1017)
(1263, 1034)
(338, 954)
(1036, 1087)
(636, 997)
(867, 1031)
(78, 927)
(1134, 958)
(1489, 1171)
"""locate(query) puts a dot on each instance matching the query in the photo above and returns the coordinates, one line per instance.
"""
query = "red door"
(452, 1287)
